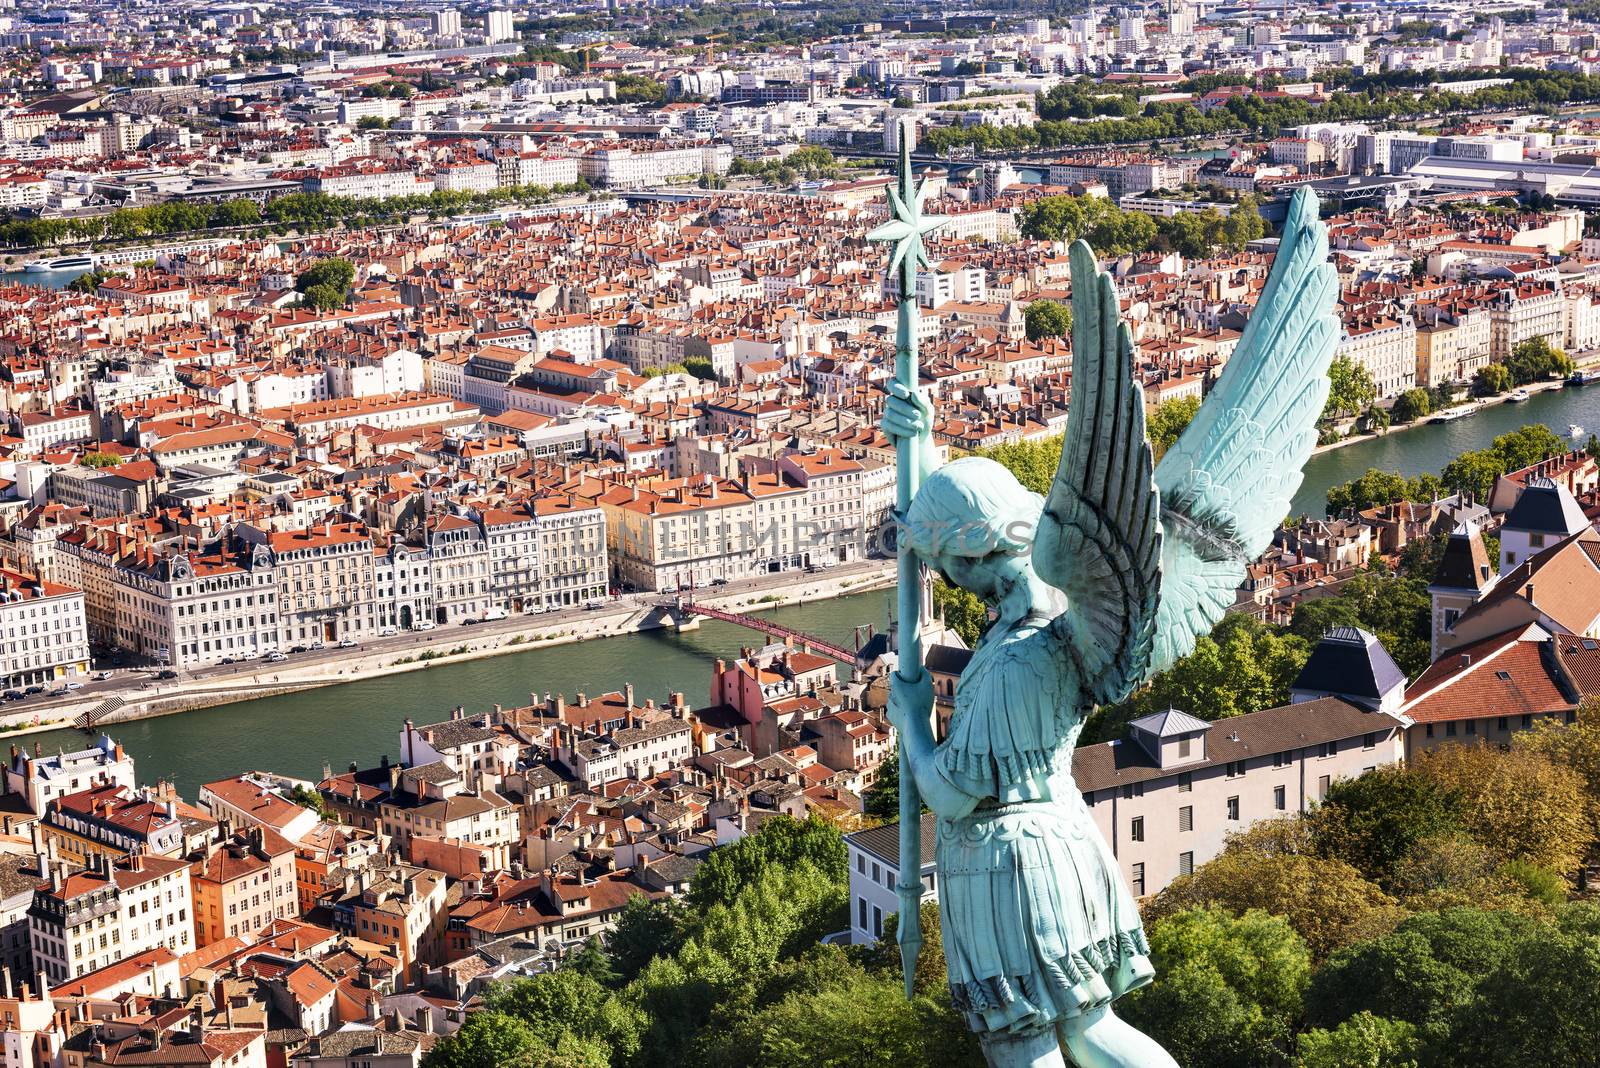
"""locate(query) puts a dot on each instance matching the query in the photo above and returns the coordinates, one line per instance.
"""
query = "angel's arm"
(1229, 480)
(1099, 538)
(910, 710)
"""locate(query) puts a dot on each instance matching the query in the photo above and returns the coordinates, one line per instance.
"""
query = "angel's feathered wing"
(1228, 482)
(1099, 537)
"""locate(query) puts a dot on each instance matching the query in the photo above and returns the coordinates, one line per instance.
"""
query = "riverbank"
(1477, 406)
(410, 653)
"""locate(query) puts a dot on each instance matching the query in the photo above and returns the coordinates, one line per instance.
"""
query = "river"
(1430, 447)
(294, 734)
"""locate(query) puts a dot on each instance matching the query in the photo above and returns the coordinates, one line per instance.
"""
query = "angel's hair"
(972, 507)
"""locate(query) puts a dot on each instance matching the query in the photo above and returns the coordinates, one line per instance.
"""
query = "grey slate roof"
(1351, 663)
(1256, 734)
(1169, 724)
(1546, 507)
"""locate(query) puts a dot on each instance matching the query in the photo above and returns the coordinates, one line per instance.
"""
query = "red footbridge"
(766, 626)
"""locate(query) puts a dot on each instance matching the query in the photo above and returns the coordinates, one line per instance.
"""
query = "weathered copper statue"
(1095, 588)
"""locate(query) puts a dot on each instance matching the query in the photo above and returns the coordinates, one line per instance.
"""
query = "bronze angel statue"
(1093, 589)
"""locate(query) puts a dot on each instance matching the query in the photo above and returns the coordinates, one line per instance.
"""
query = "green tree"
(701, 367)
(1492, 379)
(1374, 820)
(486, 1040)
(1537, 1007)
(239, 212)
(1228, 988)
(963, 611)
(1536, 359)
(1168, 422)
(1034, 462)
(1350, 388)
(1327, 901)
(1377, 487)
(1243, 665)
(1412, 405)
(1425, 972)
(1518, 803)
(1363, 1041)
(782, 842)
(645, 930)
(882, 798)
(100, 459)
(780, 910)
(326, 283)
(1047, 318)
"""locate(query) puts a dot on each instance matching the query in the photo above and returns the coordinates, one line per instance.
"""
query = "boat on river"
(1574, 430)
(1584, 378)
(1517, 396)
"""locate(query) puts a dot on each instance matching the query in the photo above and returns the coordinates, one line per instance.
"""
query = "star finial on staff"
(907, 223)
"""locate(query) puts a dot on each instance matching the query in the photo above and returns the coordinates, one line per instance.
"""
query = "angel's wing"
(1227, 483)
(1099, 538)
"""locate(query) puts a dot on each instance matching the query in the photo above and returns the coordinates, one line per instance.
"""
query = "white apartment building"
(1522, 312)
(84, 920)
(630, 166)
(1387, 347)
(461, 570)
(403, 585)
(327, 582)
(193, 609)
(43, 633)
(368, 180)
(375, 374)
(44, 778)
(535, 168)
(467, 177)
(640, 750)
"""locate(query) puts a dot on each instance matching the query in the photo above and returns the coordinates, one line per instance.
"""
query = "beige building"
(396, 905)
(327, 582)
(243, 880)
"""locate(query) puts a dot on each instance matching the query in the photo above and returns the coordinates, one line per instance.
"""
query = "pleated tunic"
(1038, 925)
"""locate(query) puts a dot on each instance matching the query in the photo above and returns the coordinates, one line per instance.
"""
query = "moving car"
(101, 676)
(275, 657)
(167, 673)
(387, 632)
(346, 643)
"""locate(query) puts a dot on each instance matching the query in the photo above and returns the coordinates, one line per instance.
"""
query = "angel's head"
(974, 523)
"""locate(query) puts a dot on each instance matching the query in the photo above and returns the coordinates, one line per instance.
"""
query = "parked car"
(101, 676)
(535, 610)
(275, 657)
(593, 606)
(315, 646)
(248, 656)
(470, 622)
(166, 673)
(426, 624)
(297, 648)
(387, 632)
(33, 690)
(719, 582)
(228, 660)
(346, 643)
(13, 695)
